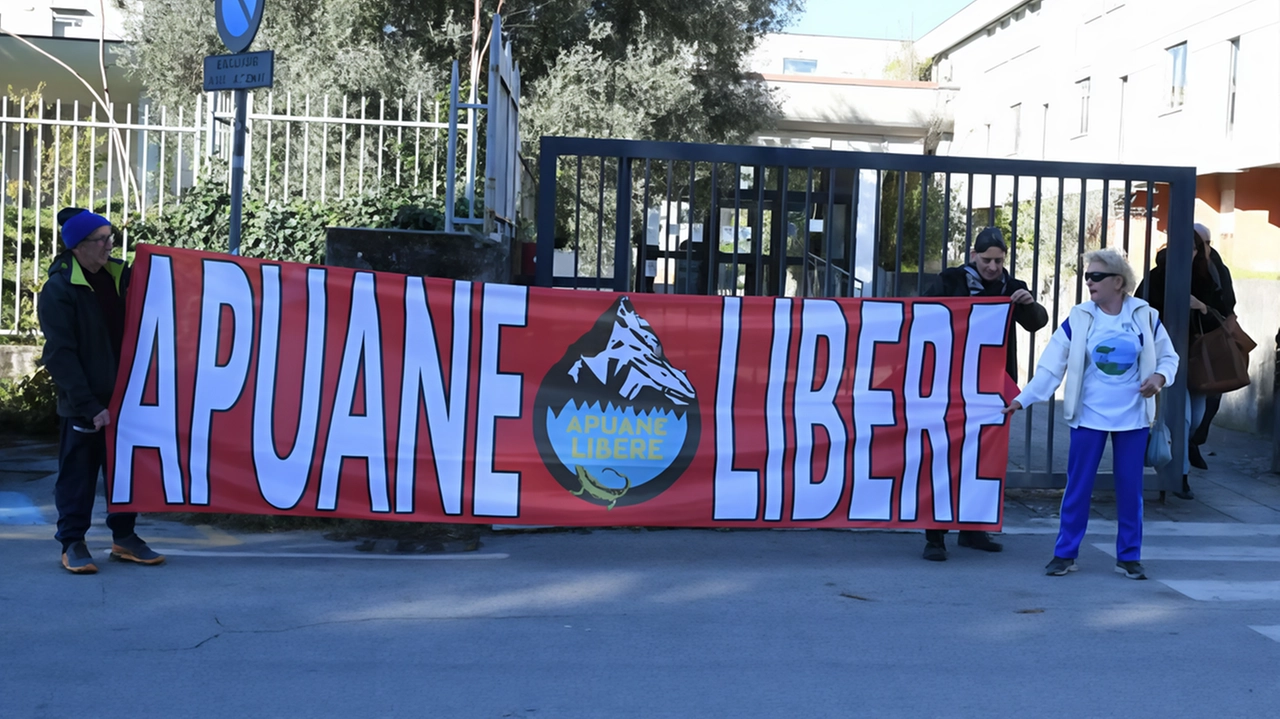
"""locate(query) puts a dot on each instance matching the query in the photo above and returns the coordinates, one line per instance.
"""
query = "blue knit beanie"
(81, 226)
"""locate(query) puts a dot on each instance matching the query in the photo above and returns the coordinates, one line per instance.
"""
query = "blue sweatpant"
(1128, 450)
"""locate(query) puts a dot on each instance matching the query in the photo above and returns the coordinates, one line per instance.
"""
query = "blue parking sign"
(238, 22)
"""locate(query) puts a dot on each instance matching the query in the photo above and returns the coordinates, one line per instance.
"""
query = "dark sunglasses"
(1099, 276)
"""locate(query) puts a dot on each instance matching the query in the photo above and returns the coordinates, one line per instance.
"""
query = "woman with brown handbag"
(1205, 295)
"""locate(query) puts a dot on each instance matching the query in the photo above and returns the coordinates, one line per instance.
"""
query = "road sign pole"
(238, 22)
(237, 169)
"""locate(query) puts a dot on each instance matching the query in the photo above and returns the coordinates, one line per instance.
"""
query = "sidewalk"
(1236, 489)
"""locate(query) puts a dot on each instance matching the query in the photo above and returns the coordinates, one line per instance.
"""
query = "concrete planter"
(454, 256)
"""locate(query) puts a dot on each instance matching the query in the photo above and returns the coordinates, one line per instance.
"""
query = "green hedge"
(291, 231)
(29, 405)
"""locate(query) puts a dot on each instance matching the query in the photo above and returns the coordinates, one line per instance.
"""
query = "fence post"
(622, 237)
(1275, 411)
(451, 161)
(1177, 316)
(547, 161)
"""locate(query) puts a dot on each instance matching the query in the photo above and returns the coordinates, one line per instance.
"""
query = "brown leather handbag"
(1239, 335)
(1218, 362)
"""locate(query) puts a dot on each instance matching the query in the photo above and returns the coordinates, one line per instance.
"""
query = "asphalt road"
(633, 623)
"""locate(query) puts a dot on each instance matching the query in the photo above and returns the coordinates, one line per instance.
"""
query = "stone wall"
(18, 361)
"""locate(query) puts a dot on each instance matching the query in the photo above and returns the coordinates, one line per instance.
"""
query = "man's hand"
(1014, 406)
(1152, 385)
(1022, 297)
(102, 419)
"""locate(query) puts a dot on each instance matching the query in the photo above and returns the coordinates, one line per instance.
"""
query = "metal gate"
(630, 216)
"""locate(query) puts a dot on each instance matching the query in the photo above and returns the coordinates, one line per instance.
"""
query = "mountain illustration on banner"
(631, 363)
(615, 420)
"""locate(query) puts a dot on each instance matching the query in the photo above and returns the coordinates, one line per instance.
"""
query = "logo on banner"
(616, 423)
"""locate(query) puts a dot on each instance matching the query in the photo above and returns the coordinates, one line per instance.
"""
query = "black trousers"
(1211, 404)
(938, 536)
(82, 456)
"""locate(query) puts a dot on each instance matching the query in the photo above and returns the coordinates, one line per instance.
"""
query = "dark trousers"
(81, 458)
(938, 536)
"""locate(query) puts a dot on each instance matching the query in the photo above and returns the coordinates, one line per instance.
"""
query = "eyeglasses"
(109, 237)
(1099, 276)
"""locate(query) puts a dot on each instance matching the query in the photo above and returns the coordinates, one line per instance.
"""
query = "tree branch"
(111, 120)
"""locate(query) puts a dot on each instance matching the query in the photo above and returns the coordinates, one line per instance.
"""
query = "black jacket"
(1222, 278)
(1203, 287)
(966, 282)
(78, 351)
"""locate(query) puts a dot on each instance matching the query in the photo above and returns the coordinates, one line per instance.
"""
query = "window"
(796, 66)
(1083, 86)
(1177, 76)
(1017, 128)
(1044, 132)
(67, 18)
(1231, 85)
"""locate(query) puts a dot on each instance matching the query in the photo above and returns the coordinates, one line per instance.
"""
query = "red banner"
(261, 387)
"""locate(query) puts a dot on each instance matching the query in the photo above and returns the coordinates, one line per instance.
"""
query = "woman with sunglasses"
(1115, 356)
(1206, 295)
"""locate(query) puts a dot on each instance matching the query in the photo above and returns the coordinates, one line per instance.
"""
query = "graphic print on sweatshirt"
(1111, 400)
(1115, 354)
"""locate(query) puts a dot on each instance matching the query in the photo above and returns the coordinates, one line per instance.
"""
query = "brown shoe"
(77, 559)
(133, 549)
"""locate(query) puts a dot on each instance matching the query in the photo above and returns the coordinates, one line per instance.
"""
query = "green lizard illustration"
(593, 488)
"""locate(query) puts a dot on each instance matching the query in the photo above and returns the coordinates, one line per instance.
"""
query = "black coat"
(1222, 278)
(78, 351)
(1203, 287)
(965, 282)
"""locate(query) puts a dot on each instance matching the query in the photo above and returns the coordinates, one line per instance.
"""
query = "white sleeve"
(1049, 371)
(1166, 355)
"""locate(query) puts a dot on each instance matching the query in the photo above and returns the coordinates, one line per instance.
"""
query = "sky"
(884, 19)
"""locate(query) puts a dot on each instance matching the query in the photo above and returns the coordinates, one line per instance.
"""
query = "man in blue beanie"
(82, 316)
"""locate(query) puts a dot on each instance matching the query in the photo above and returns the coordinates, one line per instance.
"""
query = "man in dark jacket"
(81, 312)
(985, 276)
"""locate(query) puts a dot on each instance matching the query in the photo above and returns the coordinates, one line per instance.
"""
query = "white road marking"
(325, 555)
(1201, 554)
(1157, 529)
(1215, 590)
(1269, 632)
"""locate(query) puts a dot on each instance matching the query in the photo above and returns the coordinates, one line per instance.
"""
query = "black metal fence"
(677, 218)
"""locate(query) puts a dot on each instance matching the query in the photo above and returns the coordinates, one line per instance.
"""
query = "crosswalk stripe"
(1107, 527)
(1269, 632)
(1201, 554)
(1216, 590)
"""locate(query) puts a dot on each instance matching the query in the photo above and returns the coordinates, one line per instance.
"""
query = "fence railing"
(331, 146)
(55, 154)
(712, 219)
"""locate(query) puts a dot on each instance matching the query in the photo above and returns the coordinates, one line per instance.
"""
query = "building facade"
(1146, 82)
(1140, 82)
(837, 93)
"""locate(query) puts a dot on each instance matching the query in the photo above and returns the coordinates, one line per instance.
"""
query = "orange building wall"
(1253, 248)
